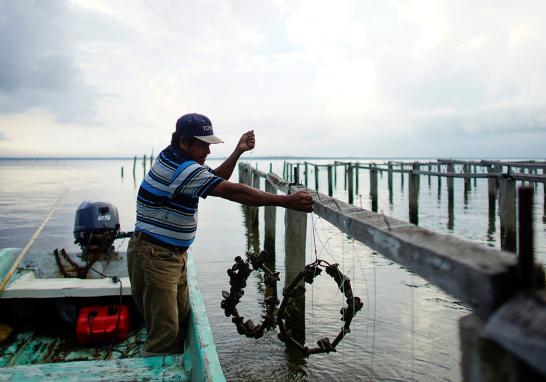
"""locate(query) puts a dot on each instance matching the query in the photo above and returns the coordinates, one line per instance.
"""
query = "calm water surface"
(406, 331)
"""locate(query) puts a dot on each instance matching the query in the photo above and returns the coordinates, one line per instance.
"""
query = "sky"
(392, 78)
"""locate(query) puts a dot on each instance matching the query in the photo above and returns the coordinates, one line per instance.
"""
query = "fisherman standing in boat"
(167, 222)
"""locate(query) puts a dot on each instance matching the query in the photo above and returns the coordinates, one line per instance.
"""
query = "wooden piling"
(507, 212)
(373, 188)
(305, 170)
(402, 176)
(345, 176)
(295, 224)
(389, 181)
(144, 164)
(330, 180)
(526, 259)
(429, 167)
(492, 202)
(439, 168)
(350, 183)
(134, 167)
(270, 219)
(414, 195)
(467, 181)
(241, 170)
(254, 210)
(450, 198)
(356, 176)
(544, 196)
(316, 177)
(121, 172)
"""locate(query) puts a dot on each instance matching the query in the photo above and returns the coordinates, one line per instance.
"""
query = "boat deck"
(35, 346)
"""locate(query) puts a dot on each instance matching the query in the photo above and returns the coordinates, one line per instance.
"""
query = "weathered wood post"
(439, 168)
(134, 167)
(414, 195)
(305, 171)
(316, 177)
(467, 182)
(498, 169)
(450, 198)
(335, 175)
(475, 179)
(492, 198)
(240, 168)
(121, 172)
(330, 180)
(295, 224)
(507, 212)
(429, 167)
(544, 194)
(144, 164)
(270, 219)
(483, 360)
(373, 187)
(357, 176)
(526, 259)
(345, 176)
(254, 210)
(389, 177)
(152, 159)
(402, 176)
(350, 183)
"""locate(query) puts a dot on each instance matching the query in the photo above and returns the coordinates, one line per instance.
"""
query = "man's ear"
(182, 143)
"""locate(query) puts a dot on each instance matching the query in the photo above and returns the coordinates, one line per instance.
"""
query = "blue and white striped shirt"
(168, 197)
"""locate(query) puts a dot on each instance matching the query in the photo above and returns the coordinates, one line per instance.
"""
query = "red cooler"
(97, 324)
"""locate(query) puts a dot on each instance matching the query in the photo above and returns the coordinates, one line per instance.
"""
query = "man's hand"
(247, 142)
(300, 201)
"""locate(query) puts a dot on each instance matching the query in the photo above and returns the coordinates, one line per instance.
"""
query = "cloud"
(357, 77)
(40, 67)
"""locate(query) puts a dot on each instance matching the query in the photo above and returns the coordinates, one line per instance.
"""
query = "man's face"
(198, 151)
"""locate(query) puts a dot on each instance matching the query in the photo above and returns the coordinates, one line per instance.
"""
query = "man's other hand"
(247, 141)
(300, 201)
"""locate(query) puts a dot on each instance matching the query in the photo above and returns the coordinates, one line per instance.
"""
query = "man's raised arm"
(246, 142)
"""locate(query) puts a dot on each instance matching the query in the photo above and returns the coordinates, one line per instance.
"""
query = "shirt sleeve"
(195, 181)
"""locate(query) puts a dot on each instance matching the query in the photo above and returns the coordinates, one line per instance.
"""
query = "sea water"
(407, 330)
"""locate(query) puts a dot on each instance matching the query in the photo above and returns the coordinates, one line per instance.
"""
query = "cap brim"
(209, 138)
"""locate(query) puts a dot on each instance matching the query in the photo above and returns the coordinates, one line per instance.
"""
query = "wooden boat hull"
(199, 362)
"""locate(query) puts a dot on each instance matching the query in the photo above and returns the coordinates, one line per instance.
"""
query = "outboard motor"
(96, 226)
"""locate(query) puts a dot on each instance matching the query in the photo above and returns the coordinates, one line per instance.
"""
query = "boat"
(46, 334)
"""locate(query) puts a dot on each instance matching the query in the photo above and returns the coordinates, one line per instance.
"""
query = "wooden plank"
(520, 327)
(28, 286)
(479, 276)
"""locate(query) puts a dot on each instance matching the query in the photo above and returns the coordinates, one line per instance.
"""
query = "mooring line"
(24, 251)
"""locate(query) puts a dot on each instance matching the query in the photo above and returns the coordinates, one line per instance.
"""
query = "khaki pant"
(160, 290)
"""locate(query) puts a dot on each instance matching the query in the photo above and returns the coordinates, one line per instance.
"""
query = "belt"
(150, 239)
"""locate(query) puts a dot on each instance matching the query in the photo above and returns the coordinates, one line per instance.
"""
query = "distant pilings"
(503, 336)
(496, 172)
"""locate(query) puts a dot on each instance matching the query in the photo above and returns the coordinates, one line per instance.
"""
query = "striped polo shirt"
(168, 197)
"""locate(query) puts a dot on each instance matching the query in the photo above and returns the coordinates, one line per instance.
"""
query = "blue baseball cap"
(197, 126)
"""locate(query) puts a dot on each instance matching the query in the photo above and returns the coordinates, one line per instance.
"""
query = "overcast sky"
(320, 78)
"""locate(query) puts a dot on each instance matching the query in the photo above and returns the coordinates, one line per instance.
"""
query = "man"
(167, 222)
